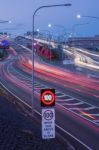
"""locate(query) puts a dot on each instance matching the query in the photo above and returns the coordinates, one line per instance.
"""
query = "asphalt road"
(77, 105)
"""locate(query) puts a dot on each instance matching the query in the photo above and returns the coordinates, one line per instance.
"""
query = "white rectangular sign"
(48, 123)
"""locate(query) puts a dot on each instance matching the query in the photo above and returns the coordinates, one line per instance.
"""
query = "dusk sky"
(21, 11)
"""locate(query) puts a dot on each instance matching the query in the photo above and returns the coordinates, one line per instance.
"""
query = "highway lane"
(79, 103)
(85, 58)
(71, 52)
(21, 83)
(69, 80)
(64, 118)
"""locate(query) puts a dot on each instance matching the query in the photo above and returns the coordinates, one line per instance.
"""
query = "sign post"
(48, 113)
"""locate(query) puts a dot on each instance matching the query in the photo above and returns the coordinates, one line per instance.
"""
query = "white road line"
(66, 100)
(16, 96)
(74, 137)
(25, 48)
(91, 107)
(63, 95)
(58, 92)
(56, 124)
(68, 134)
(39, 86)
(77, 114)
(79, 103)
(70, 99)
(18, 74)
(88, 108)
(78, 108)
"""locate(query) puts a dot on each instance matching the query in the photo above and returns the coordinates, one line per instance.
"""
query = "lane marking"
(40, 115)
(62, 100)
(77, 114)
(60, 94)
(79, 103)
(63, 95)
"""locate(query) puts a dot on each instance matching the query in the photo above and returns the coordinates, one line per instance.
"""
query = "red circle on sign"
(45, 101)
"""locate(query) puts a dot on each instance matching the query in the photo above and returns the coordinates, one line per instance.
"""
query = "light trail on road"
(73, 114)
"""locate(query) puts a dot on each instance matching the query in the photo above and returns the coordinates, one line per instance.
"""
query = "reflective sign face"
(48, 114)
(48, 123)
(48, 97)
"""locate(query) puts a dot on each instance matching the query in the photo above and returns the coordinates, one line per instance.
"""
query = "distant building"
(84, 42)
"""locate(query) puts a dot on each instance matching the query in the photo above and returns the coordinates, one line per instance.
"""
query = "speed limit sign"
(48, 97)
(48, 113)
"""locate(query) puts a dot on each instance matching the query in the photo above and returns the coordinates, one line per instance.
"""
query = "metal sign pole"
(46, 6)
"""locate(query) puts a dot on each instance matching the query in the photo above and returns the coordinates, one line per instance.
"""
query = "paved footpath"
(19, 132)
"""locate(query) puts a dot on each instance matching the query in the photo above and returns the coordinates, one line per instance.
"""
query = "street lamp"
(10, 21)
(64, 29)
(49, 25)
(59, 36)
(61, 27)
(37, 30)
(49, 38)
(94, 17)
(49, 35)
(5, 21)
(46, 31)
(41, 7)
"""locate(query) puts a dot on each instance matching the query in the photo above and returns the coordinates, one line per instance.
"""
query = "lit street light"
(94, 17)
(78, 16)
(49, 25)
(60, 36)
(49, 36)
(10, 21)
(5, 21)
(44, 31)
(59, 26)
(41, 7)
(64, 32)
(37, 30)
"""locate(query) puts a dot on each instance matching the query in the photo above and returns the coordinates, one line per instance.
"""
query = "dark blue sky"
(21, 11)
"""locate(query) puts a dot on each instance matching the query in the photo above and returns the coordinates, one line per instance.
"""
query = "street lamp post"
(94, 17)
(49, 43)
(5, 21)
(41, 7)
(47, 32)
(59, 36)
(59, 26)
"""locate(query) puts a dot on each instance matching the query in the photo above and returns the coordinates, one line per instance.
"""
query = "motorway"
(84, 58)
(77, 95)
